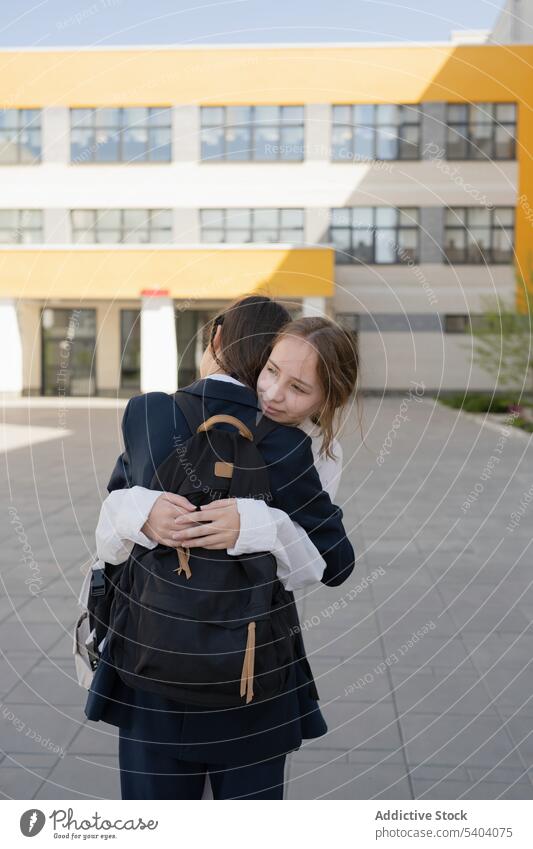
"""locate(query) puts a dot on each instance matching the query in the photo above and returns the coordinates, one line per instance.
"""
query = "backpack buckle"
(97, 583)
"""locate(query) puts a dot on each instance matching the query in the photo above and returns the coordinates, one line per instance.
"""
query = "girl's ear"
(216, 343)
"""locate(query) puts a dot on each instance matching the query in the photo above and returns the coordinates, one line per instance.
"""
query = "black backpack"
(200, 626)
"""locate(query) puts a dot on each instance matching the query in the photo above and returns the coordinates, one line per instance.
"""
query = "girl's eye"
(299, 389)
(271, 369)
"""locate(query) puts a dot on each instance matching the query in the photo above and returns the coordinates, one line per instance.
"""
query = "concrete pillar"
(56, 135)
(316, 225)
(431, 234)
(318, 132)
(11, 373)
(314, 306)
(159, 355)
(433, 131)
(185, 133)
(186, 226)
(56, 226)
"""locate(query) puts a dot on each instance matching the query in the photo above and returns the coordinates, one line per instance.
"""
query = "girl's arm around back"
(296, 489)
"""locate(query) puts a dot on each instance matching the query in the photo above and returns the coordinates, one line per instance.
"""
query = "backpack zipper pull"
(183, 557)
(247, 675)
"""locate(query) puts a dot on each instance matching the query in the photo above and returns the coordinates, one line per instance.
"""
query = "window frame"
(373, 127)
(18, 130)
(223, 226)
(466, 229)
(124, 342)
(149, 228)
(467, 123)
(396, 229)
(119, 131)
(252, 125)
(20, 229)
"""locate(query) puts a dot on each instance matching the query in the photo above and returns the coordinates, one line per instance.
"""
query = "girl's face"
(288, 387)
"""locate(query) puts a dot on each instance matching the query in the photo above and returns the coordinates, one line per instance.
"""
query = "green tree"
(502, 343)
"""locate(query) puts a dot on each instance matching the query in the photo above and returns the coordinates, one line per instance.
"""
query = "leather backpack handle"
(232, 420)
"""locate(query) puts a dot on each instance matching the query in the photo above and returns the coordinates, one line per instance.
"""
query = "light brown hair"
(337, 368)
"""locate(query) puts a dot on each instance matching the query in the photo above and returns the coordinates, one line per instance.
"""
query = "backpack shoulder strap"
(192, 408)
(264, 427)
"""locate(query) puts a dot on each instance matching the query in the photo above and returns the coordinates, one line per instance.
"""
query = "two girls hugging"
(303, 375)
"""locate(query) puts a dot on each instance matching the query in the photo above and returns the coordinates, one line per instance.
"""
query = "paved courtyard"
(422, 658)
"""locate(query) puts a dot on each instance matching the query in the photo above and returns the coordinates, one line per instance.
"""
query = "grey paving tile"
(96, 738)
(362, 679)
(49, 610)
(19, 783)
(436, 772)
(510, 650)
(47, 684)
(458, 692)
(338, 781)
(417, 651)
(87, 777)
(31, 760)
(465, 790)
(510, 687)
(24, 637)
(366, 725)
(34, 729)
(12, 670)
(455, 740)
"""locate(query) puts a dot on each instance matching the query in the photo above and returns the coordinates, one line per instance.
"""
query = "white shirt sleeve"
(122, 515)
(330, 470)
(264, 528)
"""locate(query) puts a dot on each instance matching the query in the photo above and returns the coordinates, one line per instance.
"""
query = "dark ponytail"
(249, 326)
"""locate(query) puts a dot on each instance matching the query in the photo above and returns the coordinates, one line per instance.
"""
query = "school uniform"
(249, 734)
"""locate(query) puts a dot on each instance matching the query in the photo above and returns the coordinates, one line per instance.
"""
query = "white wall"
(391, 360)
(308, 184)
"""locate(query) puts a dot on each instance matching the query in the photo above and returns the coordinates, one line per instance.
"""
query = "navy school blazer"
(152, 425)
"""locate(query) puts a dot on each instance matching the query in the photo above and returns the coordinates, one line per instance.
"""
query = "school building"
(143, 188)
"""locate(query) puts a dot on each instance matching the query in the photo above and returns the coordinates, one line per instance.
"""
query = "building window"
(21, 226)
(418, 322)
(113, 226)
(252, 133)
(476, 235)
(481, 130)
(68, 351)
(348, 320)
(252, 225)
(456, 323)
(130, 349)
(138, 134)
(464, 323)
(385, 131)
(20, 136)
(371, 235)
(192, 336)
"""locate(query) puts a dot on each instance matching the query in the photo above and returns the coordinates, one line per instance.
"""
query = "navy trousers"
(149, 771)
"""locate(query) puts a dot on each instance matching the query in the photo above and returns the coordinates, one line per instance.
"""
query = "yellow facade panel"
(327, 74)
(117, 274)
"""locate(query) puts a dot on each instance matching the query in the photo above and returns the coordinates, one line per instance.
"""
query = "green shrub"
(483, 402)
